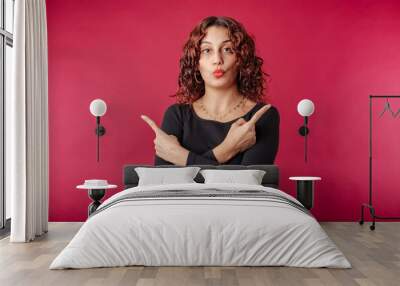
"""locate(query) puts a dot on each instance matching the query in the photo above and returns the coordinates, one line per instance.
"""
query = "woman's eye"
(207, 51)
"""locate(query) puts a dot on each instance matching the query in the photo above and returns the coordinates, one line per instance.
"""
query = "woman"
(219, 117)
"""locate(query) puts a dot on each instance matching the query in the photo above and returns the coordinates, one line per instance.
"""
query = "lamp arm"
(98, 136)
(305, 147)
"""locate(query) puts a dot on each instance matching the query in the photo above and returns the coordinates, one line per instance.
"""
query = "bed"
(201, 224)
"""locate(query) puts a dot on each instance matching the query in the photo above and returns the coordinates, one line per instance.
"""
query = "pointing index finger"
(151, 123)
(259, 113)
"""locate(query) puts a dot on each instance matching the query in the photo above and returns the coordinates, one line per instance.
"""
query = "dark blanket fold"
(205, 194)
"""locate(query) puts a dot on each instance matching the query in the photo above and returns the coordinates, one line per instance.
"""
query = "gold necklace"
(224, 115)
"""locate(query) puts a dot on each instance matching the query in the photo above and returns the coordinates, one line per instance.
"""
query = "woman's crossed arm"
(241, 136)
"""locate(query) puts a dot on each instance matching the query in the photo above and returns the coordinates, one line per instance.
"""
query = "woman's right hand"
(241, 136)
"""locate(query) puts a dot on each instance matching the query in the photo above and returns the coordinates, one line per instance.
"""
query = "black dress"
(200, 136)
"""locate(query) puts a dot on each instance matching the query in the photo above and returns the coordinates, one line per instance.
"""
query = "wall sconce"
(98, 108)
(305, 108)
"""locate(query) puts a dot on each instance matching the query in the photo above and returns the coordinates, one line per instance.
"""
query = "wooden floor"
(375, 256)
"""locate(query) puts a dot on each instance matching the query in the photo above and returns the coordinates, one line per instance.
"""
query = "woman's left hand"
(167, 146)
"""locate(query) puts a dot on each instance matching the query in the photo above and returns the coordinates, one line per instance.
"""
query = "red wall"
(335, 53)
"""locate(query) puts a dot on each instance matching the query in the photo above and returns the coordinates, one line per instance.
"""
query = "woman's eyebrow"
(207, 42)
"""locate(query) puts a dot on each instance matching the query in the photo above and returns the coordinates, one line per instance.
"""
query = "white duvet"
(200, 231)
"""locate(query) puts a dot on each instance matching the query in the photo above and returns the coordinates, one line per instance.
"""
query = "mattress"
(201, 225)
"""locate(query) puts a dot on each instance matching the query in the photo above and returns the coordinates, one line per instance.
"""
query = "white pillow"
(249, 177)
(162, 176)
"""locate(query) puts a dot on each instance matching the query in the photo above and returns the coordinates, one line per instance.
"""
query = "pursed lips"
(218, 72)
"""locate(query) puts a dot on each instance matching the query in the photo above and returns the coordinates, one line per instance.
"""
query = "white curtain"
(27, 124)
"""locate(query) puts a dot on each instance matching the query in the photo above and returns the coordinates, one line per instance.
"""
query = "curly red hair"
(251, 81)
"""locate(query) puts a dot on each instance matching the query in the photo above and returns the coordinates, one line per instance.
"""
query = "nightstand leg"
(96, 195)
(305, 193)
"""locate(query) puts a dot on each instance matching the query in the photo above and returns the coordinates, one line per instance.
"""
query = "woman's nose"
(218, 59)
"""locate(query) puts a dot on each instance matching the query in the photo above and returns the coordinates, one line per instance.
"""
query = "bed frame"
(270, 179)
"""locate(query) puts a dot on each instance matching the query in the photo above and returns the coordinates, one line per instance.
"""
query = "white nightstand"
(96, 193)
(305, 190)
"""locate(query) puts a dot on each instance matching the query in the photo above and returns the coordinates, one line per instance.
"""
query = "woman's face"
(216, 53)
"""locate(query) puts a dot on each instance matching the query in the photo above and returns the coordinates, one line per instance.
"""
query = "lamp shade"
(305, 107)
(98, 107)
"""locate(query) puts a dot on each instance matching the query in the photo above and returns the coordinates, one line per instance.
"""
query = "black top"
(200, 136)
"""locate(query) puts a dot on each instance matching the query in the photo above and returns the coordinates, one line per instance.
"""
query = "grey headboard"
(271, 177)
